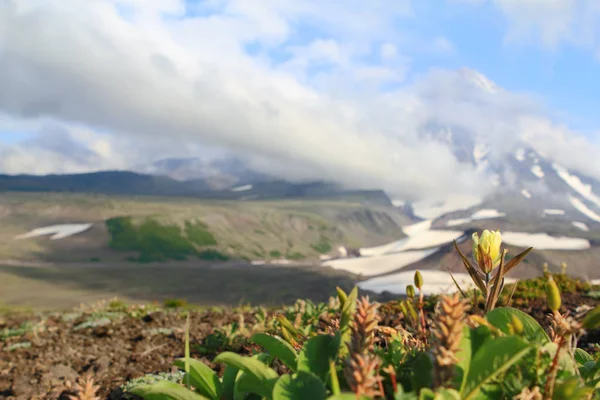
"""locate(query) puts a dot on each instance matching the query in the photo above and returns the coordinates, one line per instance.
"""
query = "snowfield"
(242, 188)
(580, 225)
(543, 241)
(421, 243)
(478, 215)
(57, 231)
(371, 266)
(434, 282)
(582, 208)
(526, 193)
(550, 211)
(459, 221)
(487, 214)
(537, 171)
(576, 184)
(432, 210)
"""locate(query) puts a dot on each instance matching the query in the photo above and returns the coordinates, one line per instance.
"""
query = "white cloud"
(306, 104)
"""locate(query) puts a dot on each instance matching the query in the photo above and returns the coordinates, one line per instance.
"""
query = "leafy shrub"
(275, 254)
(154, 241)
(295, 256)
(323, 246)
(198, 234)
(212, 255)
(175, 303)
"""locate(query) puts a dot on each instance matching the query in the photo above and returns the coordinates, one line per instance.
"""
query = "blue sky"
(363, 78)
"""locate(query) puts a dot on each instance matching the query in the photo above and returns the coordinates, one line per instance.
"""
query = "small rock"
(59, 372)
(21, 386)
(102, 364)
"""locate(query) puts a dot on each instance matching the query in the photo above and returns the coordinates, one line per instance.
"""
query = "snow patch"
(580, 225)
(582, 208)
(242, 188)
(415, 229)
(537, 171)
(550, 211)
(398, 203)
(419, 237)
(370, 266)
(57, 231)
(459, 221)
(432, 210)
(543, 241)
(426, 240)
(576, 184)
(487, 214)
(520, 154)
(526, 193)
(434, 282)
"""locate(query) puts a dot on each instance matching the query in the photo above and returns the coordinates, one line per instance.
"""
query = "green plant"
(489, 256)
(338, 351)
(175, 303)
(275, 254)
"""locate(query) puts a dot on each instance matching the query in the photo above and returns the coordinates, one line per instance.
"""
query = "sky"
(348, 90)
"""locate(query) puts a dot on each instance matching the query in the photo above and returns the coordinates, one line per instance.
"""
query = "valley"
(69, 248)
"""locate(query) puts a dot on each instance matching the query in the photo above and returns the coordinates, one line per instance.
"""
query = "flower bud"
(490, 243)
(552, 294)
(418, 280)
(410, 291)
(517, 325)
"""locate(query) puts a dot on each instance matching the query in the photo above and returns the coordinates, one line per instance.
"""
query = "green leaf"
(165, 390)
(447, 394)
(348, 310)
(186, 367)
(277, 347)
(582, 357)
(342, 296)
(300, 386)
(479, 336)
(494, 357)
(422, 371)
(463, 355)
(333, 378)
(502, 317)
(229, 377)
(426, 394)
(348, 396)
(261, 378)
(316, 355)
(592, 319)
(203, 378)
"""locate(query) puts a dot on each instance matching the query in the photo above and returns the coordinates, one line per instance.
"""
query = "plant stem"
(422, 315)
(549, 389)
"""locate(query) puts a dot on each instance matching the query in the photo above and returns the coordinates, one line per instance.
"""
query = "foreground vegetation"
(493, 353)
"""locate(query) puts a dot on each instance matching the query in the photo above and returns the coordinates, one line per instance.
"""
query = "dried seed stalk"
(86, 390)
(362, 366)
(450, 318)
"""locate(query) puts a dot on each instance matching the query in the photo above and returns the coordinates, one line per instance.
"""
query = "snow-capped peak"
(479, 80)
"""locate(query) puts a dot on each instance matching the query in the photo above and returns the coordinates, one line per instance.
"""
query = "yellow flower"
(490, 244)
